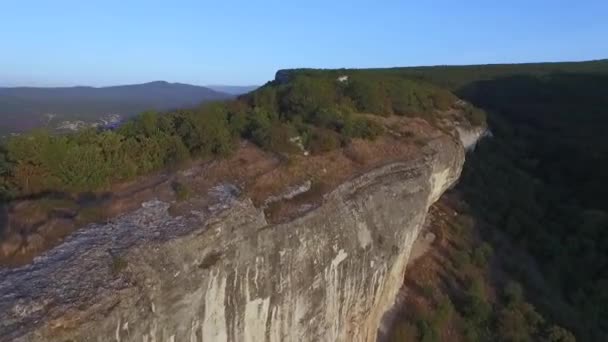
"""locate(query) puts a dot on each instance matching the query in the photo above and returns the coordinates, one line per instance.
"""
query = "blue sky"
(57, 43)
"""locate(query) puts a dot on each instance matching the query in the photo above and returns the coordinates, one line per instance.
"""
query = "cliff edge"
(229, 275)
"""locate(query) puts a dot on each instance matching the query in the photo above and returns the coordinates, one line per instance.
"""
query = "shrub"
(368, 95)
(481, 254)
(266, 131)
(444, 310)
(182, 192)
(558, 334)
(403, 332)
(429, 331)
(306, 95)
(361, 128)
(477, 308)
(461, 259)
(323, 140)
(476, 116)
(178, 153)
(514, 292)
(472, 332)
(515, 325)
(466, 222)
(330, 118)
(280, 139)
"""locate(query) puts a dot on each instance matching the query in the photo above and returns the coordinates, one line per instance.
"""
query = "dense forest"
(464, 287)
(540, 181)
(456, 77)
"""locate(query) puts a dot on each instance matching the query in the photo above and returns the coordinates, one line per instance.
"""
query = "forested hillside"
(456, 77)
(25, 108)
(322, 111)
(541, 181)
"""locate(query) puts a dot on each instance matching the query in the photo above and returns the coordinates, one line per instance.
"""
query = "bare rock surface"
(223, 273)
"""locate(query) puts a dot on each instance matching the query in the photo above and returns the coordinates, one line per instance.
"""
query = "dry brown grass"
(258, 173)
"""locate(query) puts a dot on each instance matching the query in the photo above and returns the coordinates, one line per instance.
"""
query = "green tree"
(305, 96)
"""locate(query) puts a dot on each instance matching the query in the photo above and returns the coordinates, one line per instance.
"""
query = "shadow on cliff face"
(542, 180)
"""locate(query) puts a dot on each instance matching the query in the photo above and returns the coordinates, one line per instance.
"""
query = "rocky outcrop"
(225, 274)
(469, 136)
(283, 76)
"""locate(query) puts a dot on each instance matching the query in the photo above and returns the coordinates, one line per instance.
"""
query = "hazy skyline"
(65, 43)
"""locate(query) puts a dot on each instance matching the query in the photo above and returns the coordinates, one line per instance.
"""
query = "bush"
(260, 128)
(428, 331)
(445, 310)
(477, 309)
(476, 116)
(306, 95)
(461, 259)
(465, 223)
(323, 140)
(514, 292)
(280, 139)
(182, 192)
(482, 254)
(520, 322)
(361, 128)
(558, 334)
(404, 332)
(368, 95)
(178, 153)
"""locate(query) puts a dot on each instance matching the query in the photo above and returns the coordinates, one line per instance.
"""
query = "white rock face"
(470, 136)
(329, 275)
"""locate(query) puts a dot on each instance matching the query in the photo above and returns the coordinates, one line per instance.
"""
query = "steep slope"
(307, 239)
(536, 191)
(223, 273)
(548, 163)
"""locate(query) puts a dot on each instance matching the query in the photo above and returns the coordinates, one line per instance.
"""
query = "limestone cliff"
(226, 274)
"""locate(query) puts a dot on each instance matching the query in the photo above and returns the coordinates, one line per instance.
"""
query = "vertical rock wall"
(329, 275)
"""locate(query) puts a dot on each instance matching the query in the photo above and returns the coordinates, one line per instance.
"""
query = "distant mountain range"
(25, 108)
(233, 90)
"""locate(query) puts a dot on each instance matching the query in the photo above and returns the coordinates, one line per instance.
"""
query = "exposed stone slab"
(226, 274)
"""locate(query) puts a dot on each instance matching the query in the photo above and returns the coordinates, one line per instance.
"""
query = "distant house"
(343, 78)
